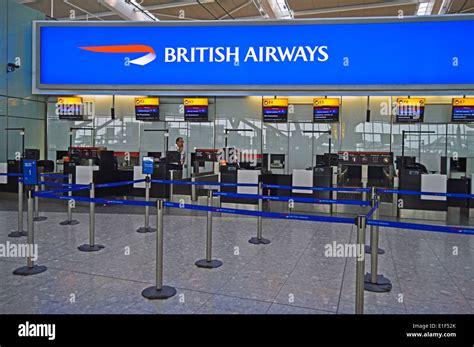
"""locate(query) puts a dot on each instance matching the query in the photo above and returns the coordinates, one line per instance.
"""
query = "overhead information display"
(147, 109)
(275, 110)
(410, 110)
(196, 109)
(326, 110)
(463, 110)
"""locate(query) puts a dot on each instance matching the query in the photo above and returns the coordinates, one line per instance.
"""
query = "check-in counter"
(11, 185)
(3, 169)
(423, 206)
(232, 174)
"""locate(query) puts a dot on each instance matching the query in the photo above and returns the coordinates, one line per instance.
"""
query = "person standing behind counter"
(180, 149)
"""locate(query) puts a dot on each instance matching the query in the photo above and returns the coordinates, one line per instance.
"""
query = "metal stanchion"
(193, 190)
(360, 265)
(37, 217)
(259, 239)
(159, 291)
(91, 247)
(69, 220)
(368, 248)
(20, 232)
(209, 263)
(147, 228)
(372, 281)
(30, 268)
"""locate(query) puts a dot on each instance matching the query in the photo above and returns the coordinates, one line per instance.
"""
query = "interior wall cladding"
(18, 107)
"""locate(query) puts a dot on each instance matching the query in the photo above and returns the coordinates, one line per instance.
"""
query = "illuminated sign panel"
(463, 110)
(410, 110)
(215, 56)
(275, 110)
(70, 108)
(147, 109)
(326, 110)
(196, 109)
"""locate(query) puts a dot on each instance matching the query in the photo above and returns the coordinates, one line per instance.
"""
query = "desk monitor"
(173, 157)
(458, 165)
(154, 154)
(408, 162)
(33, 154)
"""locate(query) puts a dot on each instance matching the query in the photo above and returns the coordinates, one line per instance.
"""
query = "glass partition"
(275, 141)
(300, 146)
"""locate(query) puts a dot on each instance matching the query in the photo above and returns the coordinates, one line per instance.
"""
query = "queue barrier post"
(259, 239)
(69, 220)
(20, 232)
(208, 262)
(373, 203)
(37, 217)
(147, 228)
(91, 247)
(193, 189)
(159, 291)
(373, 282)
(360, 265)
(30, 268)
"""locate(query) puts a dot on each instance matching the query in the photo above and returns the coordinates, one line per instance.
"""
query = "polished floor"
(431, 272)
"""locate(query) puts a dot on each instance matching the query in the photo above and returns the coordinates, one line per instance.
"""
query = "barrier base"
(368, 250)
(257, 241)
(28, 271)
(144, 230)
(152, 293)
(39, 219)
(18, 234)
(90, 248)
(383, 284)
(208, 264)
(69, 222)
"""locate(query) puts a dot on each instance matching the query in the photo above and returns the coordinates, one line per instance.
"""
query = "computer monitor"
(458, 165)
(173, 157)
(61, 154)
(154, 154)
(407, 162)
(32, 154)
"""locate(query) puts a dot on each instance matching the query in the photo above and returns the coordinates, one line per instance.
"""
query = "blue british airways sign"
(296, 55)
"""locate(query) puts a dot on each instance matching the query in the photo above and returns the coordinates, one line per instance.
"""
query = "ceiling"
(241, 9)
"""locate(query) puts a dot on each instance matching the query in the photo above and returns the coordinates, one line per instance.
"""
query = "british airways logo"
(261, 54)
(146, 59)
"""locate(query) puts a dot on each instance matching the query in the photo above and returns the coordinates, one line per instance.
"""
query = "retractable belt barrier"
(217, 184)
(11, 174)
(50, 175)
(276, 215)
(118, 184)
(413, 192)
(318, 189)
(372, 210)
(294, 199)
(422, 227)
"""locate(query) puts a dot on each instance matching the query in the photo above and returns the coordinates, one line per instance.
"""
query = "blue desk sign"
(30, 172)
(147, 165)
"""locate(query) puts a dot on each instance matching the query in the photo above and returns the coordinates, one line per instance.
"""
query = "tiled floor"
(431, 272)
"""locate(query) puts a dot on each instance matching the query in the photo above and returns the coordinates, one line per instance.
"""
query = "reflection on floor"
(431, 272)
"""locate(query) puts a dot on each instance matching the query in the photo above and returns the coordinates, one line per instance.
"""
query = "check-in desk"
(422, 206)
(364, 170)
(319, 177)
(10, 184)
(231, 174)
